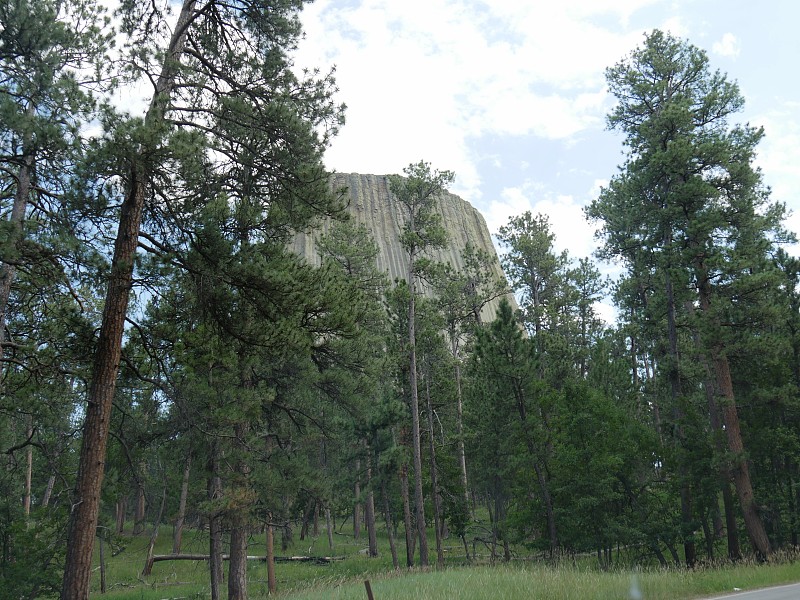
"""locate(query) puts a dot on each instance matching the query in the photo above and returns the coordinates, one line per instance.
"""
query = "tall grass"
(343, 579)
(557, 583)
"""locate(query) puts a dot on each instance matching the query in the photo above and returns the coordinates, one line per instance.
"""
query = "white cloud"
(565, 213)
(425, 78)
(727, 46)
(777, 158)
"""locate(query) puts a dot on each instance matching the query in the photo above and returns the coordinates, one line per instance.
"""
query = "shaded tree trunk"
(148, 563)
(139, 506)
(329, 527)
(48, 491)
(689, 550)
(121, 509)
(460, 448)
(22, 193)
(369, 510)
(178, 533)
(272, 585)
(239, 516)
(387, 515)
(730, 418)
(26, 499)
(407, 515)
(357, 503)
(214, 523)
(419, 498)
(437, 509)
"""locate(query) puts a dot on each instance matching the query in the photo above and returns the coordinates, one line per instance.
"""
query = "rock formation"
(370, 203)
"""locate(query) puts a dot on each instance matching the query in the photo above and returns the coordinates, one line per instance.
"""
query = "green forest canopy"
(165, 357)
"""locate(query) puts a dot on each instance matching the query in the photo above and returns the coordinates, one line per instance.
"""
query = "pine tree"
(691, 202)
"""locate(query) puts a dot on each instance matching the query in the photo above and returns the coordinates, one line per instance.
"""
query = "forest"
(166, 360)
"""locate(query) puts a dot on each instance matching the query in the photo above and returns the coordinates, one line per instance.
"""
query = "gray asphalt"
(782, 592)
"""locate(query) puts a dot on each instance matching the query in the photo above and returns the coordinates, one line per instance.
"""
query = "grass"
(343, 579)
(557, 583)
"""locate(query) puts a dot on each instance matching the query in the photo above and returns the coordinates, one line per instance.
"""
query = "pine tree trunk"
(121, 509)
(734, 553)
(357, 503)
(8, 270)
(689, 551)
(91, 465)
(460, 448)
(369, 510)
(214, 522)
(102, 567)
(407, 515)
(237, 564)
(148, 563)
(26, 499)
(387, 515)
(48, 491)
(437, 509)
(329, 527)
(240, 530)
(139, 507)
(740, 470)
(419, 499)
(544, 488)
(272, 585)
(177, 536)
(730, 418)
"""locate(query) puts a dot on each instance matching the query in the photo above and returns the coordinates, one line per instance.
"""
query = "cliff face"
(371, 204)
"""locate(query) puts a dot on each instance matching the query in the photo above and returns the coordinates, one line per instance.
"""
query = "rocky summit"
(371, 203)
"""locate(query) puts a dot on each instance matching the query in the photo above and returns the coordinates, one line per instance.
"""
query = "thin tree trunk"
(357, 503)
(91, 465)
(26, 499)
(148, 563)
(139, 507)
(8, 270)
(102, 566)
(387, 515)
(177, 536)
(121, 509)
(48, 491)
(419, 499)
(329, 527)
(306, 521)
(731, 526)
(437, 509)
(271, 581)
(214, 523)
(460, 448)
(407, 515)
(493, 522)
(369, 510)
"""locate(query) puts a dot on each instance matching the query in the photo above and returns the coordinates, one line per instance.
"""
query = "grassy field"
(343, 579)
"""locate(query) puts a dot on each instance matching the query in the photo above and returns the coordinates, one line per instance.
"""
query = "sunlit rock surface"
(371, 204)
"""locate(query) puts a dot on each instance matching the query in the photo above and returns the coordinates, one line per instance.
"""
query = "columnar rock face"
(371, 204)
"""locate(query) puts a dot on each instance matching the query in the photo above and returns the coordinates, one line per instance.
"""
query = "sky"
(511, 94)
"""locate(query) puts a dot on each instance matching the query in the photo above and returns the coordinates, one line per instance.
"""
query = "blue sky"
(510, 94)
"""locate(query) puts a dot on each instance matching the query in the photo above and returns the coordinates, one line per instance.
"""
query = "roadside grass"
(522, 582)
(343, 579)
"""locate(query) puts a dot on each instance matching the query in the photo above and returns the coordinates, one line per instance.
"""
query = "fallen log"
(320, 560)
